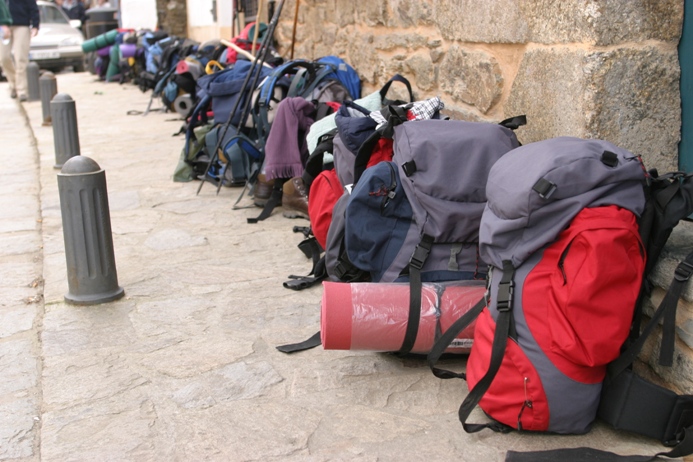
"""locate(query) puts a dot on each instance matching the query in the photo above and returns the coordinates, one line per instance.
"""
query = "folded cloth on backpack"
(286, 148)
(419, 110)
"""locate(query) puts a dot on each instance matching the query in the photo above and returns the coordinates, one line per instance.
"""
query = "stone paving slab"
(184, 367)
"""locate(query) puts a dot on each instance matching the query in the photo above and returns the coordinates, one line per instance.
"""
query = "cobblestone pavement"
(184, 367)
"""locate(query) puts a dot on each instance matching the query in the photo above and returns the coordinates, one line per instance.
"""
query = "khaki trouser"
(15, 70)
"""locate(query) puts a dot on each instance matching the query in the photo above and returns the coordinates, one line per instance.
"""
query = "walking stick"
(293, 33)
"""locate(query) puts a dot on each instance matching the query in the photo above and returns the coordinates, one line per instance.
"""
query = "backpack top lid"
(444, 166)
(536, 190)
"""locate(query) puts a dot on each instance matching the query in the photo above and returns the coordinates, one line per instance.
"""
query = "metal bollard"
(65, 133)
(91, 269)
(32, 76)
(48, 87)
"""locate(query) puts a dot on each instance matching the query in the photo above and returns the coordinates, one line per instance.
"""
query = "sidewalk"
(184, 367)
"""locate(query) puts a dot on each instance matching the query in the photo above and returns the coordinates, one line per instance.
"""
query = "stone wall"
(600, 69)
(603, 69)
(172, 16)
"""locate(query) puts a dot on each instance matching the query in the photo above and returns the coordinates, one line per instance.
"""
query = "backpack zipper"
(526, 404)
(561, 261)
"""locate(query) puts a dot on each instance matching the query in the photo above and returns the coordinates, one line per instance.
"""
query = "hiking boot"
(13, 93)
(22, 98)
(263, 190)
(295, 198)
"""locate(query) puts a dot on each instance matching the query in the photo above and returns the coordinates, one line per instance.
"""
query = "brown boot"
(263, 190)
(295, 198)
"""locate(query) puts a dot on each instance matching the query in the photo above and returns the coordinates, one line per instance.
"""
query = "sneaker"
(22, 98)
(295, 198)
(13, 93)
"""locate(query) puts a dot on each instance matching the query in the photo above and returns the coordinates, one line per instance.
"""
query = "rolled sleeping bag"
(113, 68)
(103, 52)
(374, 316)
(128, 50)
(183, 104)
(100, 41)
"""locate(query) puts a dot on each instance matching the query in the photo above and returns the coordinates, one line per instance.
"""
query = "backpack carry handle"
(396, 78)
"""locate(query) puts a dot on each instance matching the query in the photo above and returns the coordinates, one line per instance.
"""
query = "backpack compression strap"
(504, 305)
(416, 262)
(632, 403)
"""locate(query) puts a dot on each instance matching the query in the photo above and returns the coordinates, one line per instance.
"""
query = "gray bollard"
(48, 87)
(91, 269)
(32, 76)
(65, 133)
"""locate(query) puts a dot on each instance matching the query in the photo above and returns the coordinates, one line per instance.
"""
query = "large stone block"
(571, 21)
(371, 12)
(471, 77)
(421, 67)
(400, 40)
(490, 21)
(627, 96)
(410, 13)
(549, 88)
(633, 100)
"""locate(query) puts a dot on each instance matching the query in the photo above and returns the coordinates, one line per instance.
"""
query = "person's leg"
(21, 39)
(7, 64)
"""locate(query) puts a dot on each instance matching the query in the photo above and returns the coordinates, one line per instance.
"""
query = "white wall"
(200, 13)
(138, 14)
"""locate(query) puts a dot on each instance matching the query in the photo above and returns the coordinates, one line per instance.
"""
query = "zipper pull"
(526, 404)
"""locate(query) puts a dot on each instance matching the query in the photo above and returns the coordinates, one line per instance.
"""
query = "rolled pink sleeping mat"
(374, 316)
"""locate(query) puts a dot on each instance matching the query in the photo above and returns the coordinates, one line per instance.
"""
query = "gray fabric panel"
(343, 161)
(518, 221)
(453, 158)
(572, 405)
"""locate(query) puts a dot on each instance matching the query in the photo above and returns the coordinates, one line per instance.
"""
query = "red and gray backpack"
(561, 233)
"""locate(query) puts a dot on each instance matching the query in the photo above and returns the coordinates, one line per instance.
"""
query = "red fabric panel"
(580, 315)
(516, 382)
(381, 152)
(324, 193)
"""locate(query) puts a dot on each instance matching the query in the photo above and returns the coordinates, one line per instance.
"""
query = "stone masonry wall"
(600, 69)
(603, 69)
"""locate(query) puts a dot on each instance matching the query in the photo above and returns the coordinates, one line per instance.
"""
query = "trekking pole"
(257, 27)
(293, 33)
(257, 64)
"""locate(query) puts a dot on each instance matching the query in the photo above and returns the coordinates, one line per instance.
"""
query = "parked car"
(59, 41)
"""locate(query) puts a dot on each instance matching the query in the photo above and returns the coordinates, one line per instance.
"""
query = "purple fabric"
(103, 52)
(286, 147)
(128, 50)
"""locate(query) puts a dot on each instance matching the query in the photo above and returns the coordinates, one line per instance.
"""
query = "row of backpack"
(563, 231)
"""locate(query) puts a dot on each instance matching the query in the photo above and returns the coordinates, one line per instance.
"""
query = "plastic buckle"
(683, 271)
(680, 419)
(505, 296)
(420, 254)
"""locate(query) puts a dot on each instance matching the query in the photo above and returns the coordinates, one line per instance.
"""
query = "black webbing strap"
(396, 78)
(275, 200)
(666, 310)
(312, 342)
(504, 305)
(317, 274)
(671, 299)
(515, 122)
(416, 262)
(574, 455)
(448, 336)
